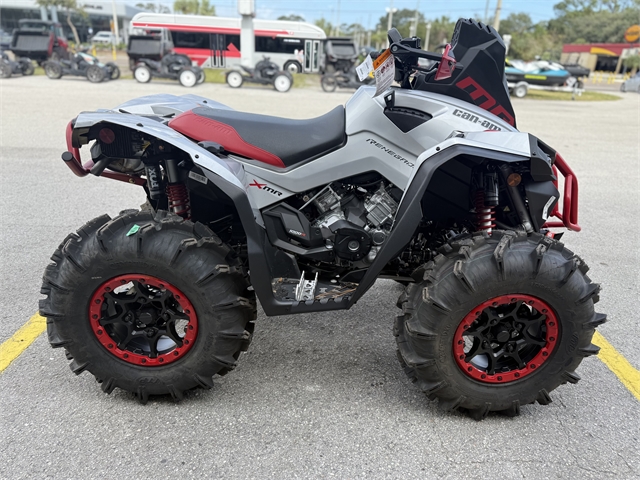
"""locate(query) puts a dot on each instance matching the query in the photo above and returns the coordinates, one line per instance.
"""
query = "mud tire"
(185, 254)
(467, 273)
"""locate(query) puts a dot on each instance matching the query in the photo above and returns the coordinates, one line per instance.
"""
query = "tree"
(194, 7)
(325, 25)
(153, 7)
(68, 6)
(632, 63)
(292, 18)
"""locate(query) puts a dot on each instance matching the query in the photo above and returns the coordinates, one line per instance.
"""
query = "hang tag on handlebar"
(365, 68)
(384, 71)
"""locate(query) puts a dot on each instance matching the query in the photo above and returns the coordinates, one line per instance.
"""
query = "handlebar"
(407, 51)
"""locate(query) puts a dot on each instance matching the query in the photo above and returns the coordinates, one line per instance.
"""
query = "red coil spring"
(178, 197)
(485, 215)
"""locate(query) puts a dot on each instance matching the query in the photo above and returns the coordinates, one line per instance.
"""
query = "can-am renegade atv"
(430, 184)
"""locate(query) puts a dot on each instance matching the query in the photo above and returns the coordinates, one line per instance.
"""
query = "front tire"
(497, 322)
(95, 74)
(328, 83)
(152, 305)
(5, 70)
(26, 66)
(114, 71)
(53, 70)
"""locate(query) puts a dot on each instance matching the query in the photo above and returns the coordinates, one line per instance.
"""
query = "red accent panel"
(477, 94)
(202, 129)
(569, 214)
(204, 29)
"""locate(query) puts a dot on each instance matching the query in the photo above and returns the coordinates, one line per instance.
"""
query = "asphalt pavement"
(317, 395)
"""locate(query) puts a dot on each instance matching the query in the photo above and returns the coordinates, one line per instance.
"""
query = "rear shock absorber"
(178, 197)
(177, 192)
(485, 202)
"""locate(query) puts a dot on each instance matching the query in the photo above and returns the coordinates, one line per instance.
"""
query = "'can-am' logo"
(265, 187)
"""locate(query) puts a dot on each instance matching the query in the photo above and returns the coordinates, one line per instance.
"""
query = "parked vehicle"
(106, 37)
(430, 184)
(5, 40)
(173, 66)
(8, 67)
(82, 65)
(265, 73)
(39, 40)
(539, 72)
(330, 81)
(632, 84)
(214, 42)
(340, 55)
(151, 45)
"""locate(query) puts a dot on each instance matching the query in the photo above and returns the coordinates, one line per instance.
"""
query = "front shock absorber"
(485, 202)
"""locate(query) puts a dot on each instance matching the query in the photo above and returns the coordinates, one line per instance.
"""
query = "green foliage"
(632, 62)
(292, 18)
(594, 21)
(194, 7)
(326, 26)
(153, 7)
(68, 6)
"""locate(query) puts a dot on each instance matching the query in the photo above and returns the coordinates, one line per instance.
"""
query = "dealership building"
(97, 16)
(607, 57)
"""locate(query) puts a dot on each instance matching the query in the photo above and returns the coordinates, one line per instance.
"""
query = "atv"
(82, 65)
(265, 73)
(174, 66)
(330, 81)
(22, 66)
(429, 184)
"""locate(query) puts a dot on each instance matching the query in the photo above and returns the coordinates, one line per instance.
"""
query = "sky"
(368, 12)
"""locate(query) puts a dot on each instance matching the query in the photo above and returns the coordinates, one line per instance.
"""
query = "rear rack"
(568, 217)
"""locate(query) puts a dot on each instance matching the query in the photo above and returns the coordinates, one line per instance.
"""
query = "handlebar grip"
(394, 36)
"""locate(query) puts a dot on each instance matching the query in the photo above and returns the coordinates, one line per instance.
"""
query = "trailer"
(521, 88)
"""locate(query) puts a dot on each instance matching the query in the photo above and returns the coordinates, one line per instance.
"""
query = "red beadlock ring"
(543, 355)
(110, 343)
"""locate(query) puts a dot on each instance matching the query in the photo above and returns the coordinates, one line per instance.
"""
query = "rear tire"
(53, 70)
(234, 79)
(293, 67)
(448, 344)
(201, 77)
(95, 74)
(175, 257)
(282, 82)
(142, 74)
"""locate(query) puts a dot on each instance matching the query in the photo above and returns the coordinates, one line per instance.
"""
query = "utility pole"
(426, 40)
(496, 20)
(486, 12)
(338, 20)
(390, 12)
(414, 24)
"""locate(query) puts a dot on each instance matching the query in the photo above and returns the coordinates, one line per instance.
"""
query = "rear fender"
(227, 170)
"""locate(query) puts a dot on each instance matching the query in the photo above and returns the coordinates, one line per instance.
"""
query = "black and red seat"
(280, 142)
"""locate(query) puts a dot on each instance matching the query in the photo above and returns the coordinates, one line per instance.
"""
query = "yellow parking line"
(620, 366)
(629, 376)
(18, 343)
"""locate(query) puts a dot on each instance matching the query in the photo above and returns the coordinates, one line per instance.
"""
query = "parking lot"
(317, 395)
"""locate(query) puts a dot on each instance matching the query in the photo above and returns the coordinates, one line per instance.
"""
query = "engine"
(356, 221)
(345, 223)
